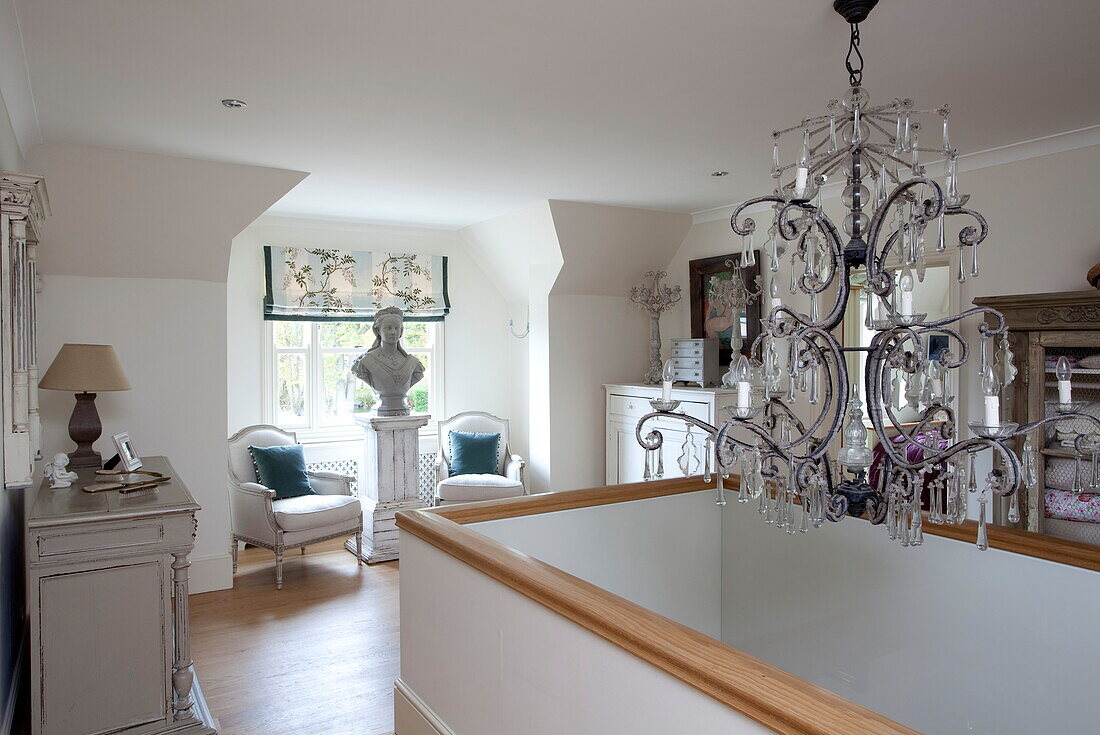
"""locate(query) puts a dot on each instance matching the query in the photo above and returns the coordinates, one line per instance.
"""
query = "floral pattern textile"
(1070, 506)
(319, 284)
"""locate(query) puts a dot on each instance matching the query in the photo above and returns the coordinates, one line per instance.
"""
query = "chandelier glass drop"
(893, 210)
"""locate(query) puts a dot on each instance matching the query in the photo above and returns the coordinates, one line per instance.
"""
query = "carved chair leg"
(359, 547)
(278, 569)
(233, 544)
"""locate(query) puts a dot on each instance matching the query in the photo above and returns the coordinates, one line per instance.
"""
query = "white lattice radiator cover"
(349, 466)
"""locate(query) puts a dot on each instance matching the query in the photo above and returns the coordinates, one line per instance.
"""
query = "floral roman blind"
(316, 284)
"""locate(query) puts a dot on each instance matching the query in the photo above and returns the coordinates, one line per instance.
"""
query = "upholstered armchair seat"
(313, 511)
(469, 488)
(506, 483)
(259, 519)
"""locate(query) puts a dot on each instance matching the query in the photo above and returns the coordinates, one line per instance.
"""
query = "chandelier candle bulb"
(991, 392)
(773, 291)
(743, 374)
(666, 381)
(802, 176)
(905, 284)
(1064, 373)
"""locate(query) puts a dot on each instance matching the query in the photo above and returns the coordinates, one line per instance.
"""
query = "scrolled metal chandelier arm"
(931, 208)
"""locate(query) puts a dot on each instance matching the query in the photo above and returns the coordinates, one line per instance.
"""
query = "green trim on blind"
(354, 286)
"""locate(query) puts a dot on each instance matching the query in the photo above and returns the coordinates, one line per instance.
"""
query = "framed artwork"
(710, 317)
(128, 458)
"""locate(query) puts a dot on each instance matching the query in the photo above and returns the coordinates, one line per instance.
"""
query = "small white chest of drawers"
(107, 603)
(695, 361)
(627, 403)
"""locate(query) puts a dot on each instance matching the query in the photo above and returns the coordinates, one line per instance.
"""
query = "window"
(311, 388)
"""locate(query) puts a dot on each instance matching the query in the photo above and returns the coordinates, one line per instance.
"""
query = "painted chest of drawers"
(627, 403)
(695, 361)
(107, 603)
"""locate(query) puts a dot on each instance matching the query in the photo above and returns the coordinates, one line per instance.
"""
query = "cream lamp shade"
(85, 369)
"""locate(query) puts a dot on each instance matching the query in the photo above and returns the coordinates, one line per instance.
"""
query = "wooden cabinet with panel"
(107, 602)
(1044, 327)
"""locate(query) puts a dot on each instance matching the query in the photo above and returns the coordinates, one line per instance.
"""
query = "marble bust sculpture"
(386, 366)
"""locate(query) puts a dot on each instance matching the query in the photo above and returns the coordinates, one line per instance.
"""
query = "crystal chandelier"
(784, 463)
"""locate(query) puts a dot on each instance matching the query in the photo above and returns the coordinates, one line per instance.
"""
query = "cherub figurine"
(55, 472)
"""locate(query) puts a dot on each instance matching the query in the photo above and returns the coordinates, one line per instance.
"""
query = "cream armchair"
(506, 483)
(258, 518)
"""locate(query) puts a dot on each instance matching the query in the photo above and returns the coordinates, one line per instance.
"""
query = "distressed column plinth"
(391, 454)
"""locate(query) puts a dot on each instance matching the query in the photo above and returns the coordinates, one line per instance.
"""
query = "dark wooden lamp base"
(84, 429)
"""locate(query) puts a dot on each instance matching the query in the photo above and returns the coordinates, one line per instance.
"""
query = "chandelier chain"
(855, 73)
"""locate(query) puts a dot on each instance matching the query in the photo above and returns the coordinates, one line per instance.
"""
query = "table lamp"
(85, 370)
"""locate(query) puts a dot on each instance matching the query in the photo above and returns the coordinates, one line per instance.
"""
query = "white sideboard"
(107, 603)
(628, 402)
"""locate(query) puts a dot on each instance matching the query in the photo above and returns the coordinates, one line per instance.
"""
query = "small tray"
(907, 321)
(663, 406)
(1001, 431)
(1071, 407)
(126, 482)
(743, 414)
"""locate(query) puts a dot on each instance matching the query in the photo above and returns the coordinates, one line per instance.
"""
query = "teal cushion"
(473, 454)
(282, 469)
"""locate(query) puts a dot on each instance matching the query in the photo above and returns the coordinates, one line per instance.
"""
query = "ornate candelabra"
(736, 295)
(784, 463)
(654, 298)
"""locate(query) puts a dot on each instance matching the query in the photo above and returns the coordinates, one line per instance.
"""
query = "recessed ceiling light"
(720, 173)
(234, 104)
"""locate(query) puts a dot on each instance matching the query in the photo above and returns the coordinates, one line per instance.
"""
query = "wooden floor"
(318, 656)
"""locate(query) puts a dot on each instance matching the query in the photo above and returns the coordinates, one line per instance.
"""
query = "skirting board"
(209, 573)
(16, 687)
(411, 716)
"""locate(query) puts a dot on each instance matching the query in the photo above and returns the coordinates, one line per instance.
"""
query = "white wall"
(573, 263)
(489, 661)
(519, 252)
(11, 155)
(135, 255)
(167, 335)
(597, 335)
(593, 340)
(479, 368)
(942, 637)
(661, 553)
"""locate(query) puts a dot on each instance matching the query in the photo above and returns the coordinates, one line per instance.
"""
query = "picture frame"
(707, 319)
(128, 458)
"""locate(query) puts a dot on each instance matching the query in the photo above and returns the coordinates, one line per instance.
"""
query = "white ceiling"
(449, 112)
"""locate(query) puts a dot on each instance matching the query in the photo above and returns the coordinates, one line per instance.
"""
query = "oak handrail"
(773, 697)
(1013, 540)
